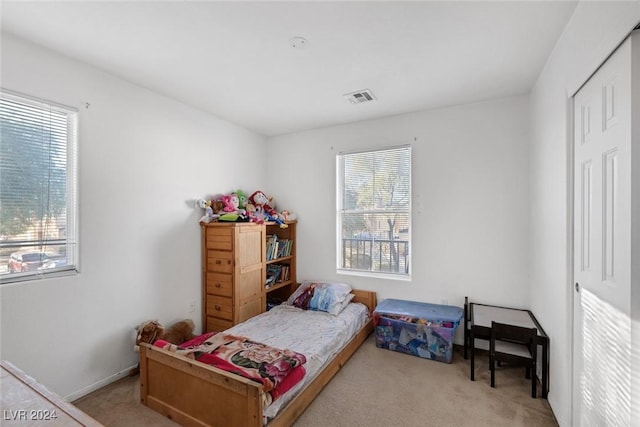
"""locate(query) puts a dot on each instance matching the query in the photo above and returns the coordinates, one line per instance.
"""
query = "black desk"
(481, 316)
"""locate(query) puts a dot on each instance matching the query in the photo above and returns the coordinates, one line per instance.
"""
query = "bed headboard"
(367, 298)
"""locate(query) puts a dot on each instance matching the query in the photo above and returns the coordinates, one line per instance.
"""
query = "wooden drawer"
(220, 284)
(220, 238)
(215, 324)
(221, 307)
(220, 262)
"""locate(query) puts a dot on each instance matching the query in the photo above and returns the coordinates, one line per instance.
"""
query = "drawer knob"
(218, 261)
(217, 285)
(217, 307)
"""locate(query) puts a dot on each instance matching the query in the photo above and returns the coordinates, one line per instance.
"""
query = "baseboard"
(102, 383)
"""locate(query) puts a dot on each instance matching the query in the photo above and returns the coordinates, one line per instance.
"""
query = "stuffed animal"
(242, 199)
(218, 207)
(275, 218)
(253, 214)
(263, 203)
(149, 332)
(258, 198)
(288, 216)
(208, 210)
(212, 209)
(232, 203)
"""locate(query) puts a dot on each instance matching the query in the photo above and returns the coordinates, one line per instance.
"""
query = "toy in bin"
(420, 329)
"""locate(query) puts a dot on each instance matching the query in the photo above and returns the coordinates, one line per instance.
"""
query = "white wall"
(470, 199)
(595, 29)
(143, 158)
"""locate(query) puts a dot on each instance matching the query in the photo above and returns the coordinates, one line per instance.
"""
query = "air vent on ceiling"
(360, 96)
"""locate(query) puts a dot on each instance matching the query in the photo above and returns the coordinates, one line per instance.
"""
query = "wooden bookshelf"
(281, 289)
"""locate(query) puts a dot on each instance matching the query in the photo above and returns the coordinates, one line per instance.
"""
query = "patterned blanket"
(276, 369)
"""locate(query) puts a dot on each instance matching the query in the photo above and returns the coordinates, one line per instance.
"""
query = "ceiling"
(235, 59)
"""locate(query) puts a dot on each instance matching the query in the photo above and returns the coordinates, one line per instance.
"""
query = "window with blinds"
(374, 211)
(38, 203)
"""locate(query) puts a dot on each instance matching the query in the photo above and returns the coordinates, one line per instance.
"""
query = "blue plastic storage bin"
(417, 328)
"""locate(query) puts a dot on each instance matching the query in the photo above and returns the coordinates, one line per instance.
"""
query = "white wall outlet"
(192, 307)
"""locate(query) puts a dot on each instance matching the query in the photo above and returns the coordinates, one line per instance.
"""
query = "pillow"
(321, 296)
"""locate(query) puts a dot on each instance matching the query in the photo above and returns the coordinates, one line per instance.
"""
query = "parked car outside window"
(54, 263)
(26, 261)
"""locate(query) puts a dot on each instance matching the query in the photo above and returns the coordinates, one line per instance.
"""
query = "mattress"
(317, 335)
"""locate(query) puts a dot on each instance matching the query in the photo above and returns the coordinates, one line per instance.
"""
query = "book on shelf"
(272, 240)
(284, 248)
(273, 274)
(277, 248)
(284, 273)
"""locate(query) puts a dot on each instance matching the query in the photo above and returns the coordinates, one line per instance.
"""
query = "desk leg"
(466, 342)
(472, 347)
(545, 369)
(466, 327)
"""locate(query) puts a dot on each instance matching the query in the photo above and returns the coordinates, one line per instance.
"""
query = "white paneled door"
(602, 245)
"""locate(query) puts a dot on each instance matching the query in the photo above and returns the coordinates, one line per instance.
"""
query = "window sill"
(375, 274)
(34, 277)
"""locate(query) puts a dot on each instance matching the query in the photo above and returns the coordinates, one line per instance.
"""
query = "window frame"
(71, 239)
(404, 275)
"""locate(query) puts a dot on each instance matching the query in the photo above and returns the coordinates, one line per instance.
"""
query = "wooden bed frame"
(195, 394)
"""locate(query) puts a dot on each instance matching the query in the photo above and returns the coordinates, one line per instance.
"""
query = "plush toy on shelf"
(288, 216)
(209, 215)
(242, 199)
(258, 198)
(231, 211)
(218, 207)
(263, 205)
(237, 207)
(253, 213)
(232, 203)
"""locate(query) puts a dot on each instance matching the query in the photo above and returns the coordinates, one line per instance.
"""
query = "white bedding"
(317, 335)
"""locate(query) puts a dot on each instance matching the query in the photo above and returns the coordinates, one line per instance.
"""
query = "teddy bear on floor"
(152, 330)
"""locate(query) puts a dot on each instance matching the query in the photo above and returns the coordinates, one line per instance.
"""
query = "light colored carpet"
(378, 387)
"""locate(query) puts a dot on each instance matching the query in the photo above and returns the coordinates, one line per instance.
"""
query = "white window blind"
(374, 211)
(38, 204)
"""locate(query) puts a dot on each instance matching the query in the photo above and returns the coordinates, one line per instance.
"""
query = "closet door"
(602, 244)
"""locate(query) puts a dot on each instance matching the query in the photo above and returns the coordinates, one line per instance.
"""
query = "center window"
(374, 212)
